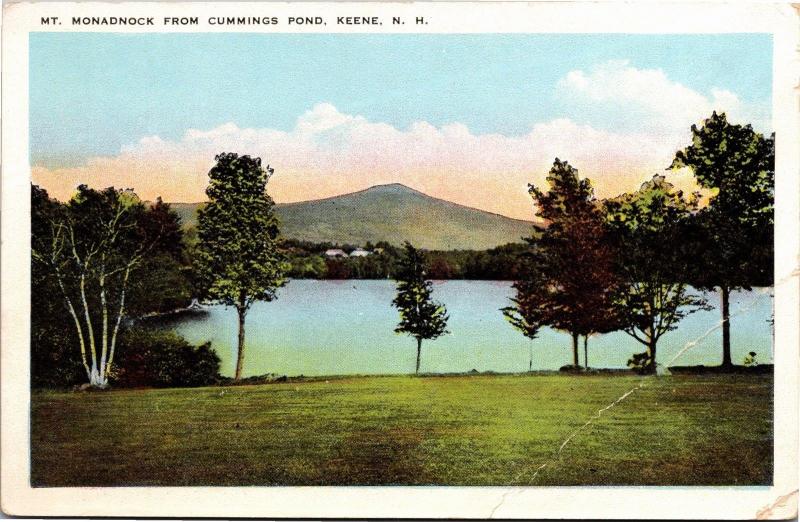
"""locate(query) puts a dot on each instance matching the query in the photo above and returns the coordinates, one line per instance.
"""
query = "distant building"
(360, 252)
(335, 252)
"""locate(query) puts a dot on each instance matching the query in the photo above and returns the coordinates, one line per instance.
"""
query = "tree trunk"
(240, 346)
(651, 350)
(530, 357)
(419, 350)
(575, 361)
(586, 351)
(726, 328)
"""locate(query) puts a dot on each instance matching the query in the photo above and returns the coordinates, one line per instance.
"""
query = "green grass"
(466, 430)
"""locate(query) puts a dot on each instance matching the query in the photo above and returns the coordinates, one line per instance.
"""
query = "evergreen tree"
(237, 259)
(738, 163)
(420, 316)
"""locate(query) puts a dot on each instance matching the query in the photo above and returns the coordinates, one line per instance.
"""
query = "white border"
(419, 502)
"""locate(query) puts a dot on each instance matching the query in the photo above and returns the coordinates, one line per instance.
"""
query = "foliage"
(238, 260)
(164, 359)
(95, 250)
(307, 260)
(648, 230)
(750, 359)
(578, 285)
(642, 363)
(420, 316)
(529, 311)
(736, 230)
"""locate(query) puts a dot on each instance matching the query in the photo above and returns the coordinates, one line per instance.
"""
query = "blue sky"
(468, 118)
(92, 93)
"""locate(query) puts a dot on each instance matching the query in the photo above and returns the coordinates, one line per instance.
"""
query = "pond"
(347, 327)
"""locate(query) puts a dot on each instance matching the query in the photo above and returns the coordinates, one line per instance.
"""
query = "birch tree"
(93, 246)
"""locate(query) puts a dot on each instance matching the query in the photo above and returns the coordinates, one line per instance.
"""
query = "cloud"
(329, 152)
(646, 100)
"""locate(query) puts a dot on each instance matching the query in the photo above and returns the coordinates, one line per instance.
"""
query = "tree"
(420, 316)
(649, 231)
(93, 248)
(530, 306)
(238, 261)
(575, 257)
(737, 163)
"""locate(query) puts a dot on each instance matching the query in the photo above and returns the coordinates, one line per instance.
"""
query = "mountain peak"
(392, 188)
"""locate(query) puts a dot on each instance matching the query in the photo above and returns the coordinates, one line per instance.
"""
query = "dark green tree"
(575, 257)
(420, 316)
(738, 165)
(93, 250)
(649, 232)
(238, 261)
(530, 310)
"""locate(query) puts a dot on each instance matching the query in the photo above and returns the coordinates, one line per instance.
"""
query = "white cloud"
(329, 152)
(647, 100)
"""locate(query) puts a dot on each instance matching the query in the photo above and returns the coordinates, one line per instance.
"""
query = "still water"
(347, 327)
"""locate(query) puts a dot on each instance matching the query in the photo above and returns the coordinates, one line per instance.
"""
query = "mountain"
(393, 213)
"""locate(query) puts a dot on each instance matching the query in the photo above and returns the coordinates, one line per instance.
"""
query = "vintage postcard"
(400, 260)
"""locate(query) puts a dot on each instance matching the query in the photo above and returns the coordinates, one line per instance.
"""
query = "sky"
(468, 118)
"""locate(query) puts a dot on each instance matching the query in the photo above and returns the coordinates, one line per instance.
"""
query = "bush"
(641, 363)
(163, 359)
(55, 356)
(751, 359)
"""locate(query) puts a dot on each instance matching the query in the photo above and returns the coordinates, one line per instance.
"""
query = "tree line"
(104, 258)
(307, 260)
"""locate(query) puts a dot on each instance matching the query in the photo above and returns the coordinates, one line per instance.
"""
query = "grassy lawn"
(467, 430)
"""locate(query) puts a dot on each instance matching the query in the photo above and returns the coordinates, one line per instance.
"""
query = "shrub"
(164, 359)
(751, 359)
(641, 363)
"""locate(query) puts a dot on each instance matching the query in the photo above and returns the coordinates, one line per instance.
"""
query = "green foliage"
(420, 316)
(164, 359)
(737, 227)
(307, 261)
(734, 235)
(99, 258)
(648, 228)
(530, 310)
(750, 359)
(238, 261)
(642, 363)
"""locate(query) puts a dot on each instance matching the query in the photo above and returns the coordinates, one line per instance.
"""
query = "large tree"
(649, 228)
(238, 261)
(574, 255)
(738, 165)
(420, 316)
(92, 250)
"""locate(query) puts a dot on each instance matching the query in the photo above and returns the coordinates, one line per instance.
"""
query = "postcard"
(400, 260)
